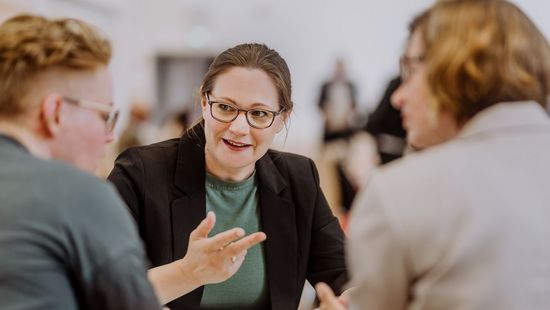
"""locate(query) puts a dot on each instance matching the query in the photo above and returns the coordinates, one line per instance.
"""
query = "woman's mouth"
(235, 146)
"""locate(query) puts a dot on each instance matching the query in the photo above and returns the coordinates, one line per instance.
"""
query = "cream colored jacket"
(464, 225)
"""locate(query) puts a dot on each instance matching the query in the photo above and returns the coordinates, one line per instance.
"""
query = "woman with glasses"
(464, 223)
(224, 165)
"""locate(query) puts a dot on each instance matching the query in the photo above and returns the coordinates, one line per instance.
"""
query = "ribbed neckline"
(215, 183)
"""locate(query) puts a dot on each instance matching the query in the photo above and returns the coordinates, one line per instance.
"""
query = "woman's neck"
(226, 173)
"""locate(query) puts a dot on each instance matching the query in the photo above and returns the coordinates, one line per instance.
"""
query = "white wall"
(309, 34)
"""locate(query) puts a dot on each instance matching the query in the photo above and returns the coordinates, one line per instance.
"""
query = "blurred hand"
(216, 259)
(328, 301)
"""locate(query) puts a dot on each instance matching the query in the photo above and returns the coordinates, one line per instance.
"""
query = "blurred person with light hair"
(66, 240)
(463, 224)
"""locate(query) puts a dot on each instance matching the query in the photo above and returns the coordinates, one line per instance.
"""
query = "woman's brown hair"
(253, 56)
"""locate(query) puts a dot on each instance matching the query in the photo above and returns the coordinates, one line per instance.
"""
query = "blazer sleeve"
(376, 254)
(326, 259)
(128, 177)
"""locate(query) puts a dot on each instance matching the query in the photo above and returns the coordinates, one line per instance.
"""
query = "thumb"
(326, 296)
(204, 228)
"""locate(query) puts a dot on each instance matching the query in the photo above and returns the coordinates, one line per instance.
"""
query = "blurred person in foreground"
(66, 240)
(463, 224)
(225, 164)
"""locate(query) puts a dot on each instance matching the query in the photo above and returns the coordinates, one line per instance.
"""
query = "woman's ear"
(204, 102)
(50, 114)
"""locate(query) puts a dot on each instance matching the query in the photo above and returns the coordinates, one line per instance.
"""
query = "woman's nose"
(397, 98)
(240, 125)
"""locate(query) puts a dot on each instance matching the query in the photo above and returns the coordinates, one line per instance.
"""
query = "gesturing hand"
(208, 260)
(328, 301)
(216, 259)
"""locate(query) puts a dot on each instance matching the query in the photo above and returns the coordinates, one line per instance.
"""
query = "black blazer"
(163, 185)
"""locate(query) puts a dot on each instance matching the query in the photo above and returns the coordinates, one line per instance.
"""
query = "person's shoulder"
(292, 166)
(79, 184)
(55, 187)
(288, 158)
(427, 170)
(162, 146)
(54, 173)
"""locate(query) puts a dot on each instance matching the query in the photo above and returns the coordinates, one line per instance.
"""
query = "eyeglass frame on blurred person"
(239, 110)
(107, 112)
(407, 65)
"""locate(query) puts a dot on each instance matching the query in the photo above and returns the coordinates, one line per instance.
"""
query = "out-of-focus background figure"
(337, 103)
(338, 107)
(138, 129)
(384, 124)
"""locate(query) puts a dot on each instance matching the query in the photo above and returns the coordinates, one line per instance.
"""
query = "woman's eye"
(258, 113)
(225, 107)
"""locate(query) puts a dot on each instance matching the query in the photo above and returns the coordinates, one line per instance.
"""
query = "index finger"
(245, 243)
(221, 240)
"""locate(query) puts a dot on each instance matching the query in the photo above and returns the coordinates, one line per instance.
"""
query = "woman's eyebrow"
(254, 104)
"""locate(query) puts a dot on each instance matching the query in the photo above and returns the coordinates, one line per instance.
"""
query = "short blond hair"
(32, 44)
(482, 52)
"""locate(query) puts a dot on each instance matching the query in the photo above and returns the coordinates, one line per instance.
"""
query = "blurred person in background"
(66, 240)
(338, 103)
(135, 132)
(463, 224)
(224, 164)
(384, 124)
(175, 126)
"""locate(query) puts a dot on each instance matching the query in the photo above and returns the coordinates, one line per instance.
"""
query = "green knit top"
(236, 204)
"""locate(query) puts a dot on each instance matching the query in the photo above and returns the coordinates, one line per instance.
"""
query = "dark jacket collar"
(190, 165)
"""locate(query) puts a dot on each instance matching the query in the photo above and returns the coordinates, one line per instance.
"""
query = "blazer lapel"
(278, 220)
(189, 208)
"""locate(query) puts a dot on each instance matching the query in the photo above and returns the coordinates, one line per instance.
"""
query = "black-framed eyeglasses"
(107, 112)
(409, 64)
(226, 113)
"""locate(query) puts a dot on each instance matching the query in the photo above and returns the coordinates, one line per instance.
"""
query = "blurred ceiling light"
(198, 36)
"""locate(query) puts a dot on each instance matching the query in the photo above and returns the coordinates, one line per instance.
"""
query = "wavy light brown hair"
(482, 52)
(32, 44)
(253, 56)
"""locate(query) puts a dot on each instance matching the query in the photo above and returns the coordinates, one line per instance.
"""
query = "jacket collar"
(269, 176)
(506, 115)
(190, 165)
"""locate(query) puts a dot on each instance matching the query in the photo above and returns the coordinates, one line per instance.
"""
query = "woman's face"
(424, 127)
(233, 148)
